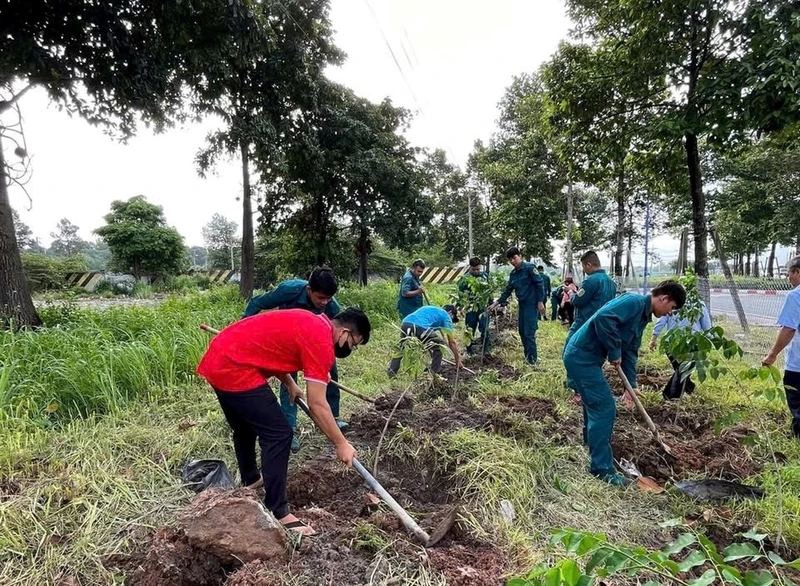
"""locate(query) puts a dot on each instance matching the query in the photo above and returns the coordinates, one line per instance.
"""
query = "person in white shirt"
(789, 338)
(675, 387)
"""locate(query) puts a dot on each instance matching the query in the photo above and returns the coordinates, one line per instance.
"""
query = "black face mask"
(341, 351)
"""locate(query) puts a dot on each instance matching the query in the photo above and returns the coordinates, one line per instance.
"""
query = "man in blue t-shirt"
(789, 338)
(427, 324)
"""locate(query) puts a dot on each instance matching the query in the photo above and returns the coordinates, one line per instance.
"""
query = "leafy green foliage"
(678, 562)
(224, 248)
(140, 240)
(66, 241)
(707, 353)
(45, 273)
(23, 232)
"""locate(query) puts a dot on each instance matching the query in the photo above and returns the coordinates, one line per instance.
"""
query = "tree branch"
(6, 105)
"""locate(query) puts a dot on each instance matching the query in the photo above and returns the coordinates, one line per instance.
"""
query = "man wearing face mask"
(613, 334)
(238, 365)
(317, 296)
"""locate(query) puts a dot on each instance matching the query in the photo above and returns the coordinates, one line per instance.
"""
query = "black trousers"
(674, 387)
(428, 337)
(791, 383)
(256, 415)
(567, 312)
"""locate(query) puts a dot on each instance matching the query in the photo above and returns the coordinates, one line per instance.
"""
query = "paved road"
(759, 308)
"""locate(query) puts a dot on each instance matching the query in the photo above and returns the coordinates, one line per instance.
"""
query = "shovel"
(213, 331)
(464, 368)
(642, 411)
(418, 532)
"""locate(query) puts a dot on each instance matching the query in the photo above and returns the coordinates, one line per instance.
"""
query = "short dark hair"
(590, 258)
(672, 289)
(452, 309)
(322, 280)
(418, 263)
(513, 251)
(794, 264)
(475, 262)
(356, 320)
(540, 268)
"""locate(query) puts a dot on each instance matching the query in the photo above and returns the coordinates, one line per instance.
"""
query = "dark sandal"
(297, 525)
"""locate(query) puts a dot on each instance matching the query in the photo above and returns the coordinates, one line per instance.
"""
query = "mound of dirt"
(696, 449)
(171, 561)
(434, 419)
(534, 407)
(481, 565)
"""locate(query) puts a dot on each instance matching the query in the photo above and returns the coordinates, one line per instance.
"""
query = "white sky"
(457, 56)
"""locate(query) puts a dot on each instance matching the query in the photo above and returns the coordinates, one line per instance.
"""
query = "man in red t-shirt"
(238, 365)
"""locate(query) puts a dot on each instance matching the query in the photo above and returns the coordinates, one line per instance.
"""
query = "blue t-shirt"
(430, 317)
(790, 318)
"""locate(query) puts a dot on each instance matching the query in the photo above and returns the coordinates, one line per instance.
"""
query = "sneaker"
(342, 425)
(295, 443)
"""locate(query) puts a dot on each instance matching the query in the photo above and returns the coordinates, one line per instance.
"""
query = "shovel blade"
(444, 527)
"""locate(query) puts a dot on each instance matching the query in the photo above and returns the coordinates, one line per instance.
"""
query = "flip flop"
(295, 525)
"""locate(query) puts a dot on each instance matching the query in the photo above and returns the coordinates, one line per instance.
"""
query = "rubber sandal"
(297, 525)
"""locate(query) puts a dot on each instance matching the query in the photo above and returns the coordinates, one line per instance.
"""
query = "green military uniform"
(293, 294)
(548, 291)
(408, 305)
(526, 282)
(596, 290)
(477, 317)
(615, 331)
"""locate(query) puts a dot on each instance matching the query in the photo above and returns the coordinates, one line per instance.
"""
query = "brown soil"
(696, 450)
(424, 417)
(347, 548)
(504, 371)
(171, 561)
(534, 407)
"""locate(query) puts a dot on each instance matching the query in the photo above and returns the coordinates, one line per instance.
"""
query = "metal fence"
(746, 308)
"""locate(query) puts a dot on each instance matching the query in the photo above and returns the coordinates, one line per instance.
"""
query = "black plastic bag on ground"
(717, 490)
(199, 475)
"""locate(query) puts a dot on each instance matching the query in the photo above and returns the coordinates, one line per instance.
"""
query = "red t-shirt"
(248, 352)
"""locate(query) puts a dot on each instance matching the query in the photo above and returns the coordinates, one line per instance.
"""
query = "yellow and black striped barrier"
(86, 280)
(441, 275)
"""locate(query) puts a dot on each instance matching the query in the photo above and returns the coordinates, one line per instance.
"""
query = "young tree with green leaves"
(66, 241)
(140, 240)
(222, 244)
(523, 171)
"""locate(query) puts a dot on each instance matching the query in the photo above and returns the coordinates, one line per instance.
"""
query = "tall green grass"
(86, 361)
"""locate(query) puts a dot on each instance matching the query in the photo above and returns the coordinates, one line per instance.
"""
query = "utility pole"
(568, 245)
(469, 220)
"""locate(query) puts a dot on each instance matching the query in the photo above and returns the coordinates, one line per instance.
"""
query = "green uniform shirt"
(596, 290)
(548, 287)
(407, 305)
(290, 295)
(526, 282)
(615, 331)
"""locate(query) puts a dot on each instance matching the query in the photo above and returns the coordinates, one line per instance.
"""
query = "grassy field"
(100, 410)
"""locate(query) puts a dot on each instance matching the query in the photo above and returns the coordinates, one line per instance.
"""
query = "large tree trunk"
(770, 269)
(756, 267)
(747, 266)
(698, 214)
(16, 305)
(620, 221)
(247, 274)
